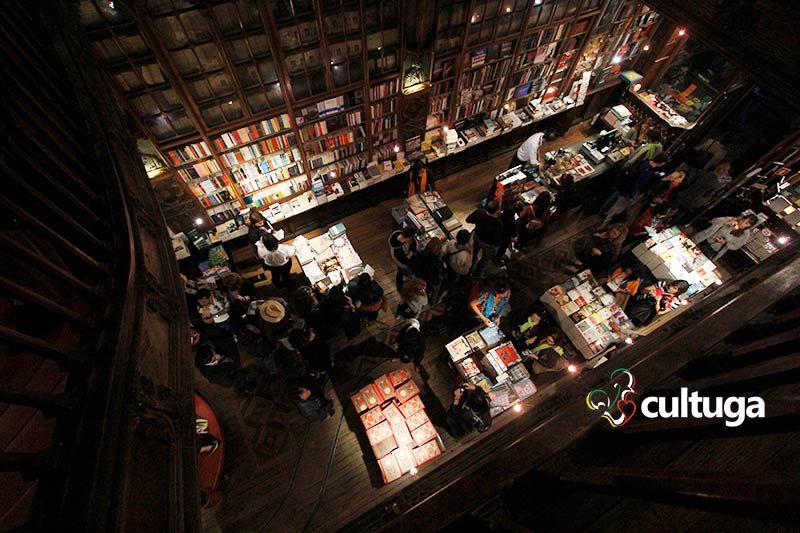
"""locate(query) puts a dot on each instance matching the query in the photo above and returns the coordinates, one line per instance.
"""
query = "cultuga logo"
(619, 410)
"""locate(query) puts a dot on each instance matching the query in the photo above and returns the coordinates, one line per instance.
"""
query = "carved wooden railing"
(96, 412)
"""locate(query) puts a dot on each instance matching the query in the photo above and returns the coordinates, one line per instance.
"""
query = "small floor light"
(198, 221)
(517, 408)
(572, 369)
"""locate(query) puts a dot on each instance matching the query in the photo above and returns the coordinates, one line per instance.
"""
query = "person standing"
(630, 186)
(403, 246)
(259, 226)
(528, 151)
(367, 295)
(508, 217)
(487, 236)
(429, 265)
(310, 400)
(413, 299)
(700, 186)
(458, 255)
(278, 260)
(725, 233)
(492, 303)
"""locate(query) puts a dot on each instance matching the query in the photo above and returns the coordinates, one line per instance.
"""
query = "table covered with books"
(588, 314)
(428, 214)
(328, 259)
(485, 358)
(397, 425)
(517, 184)
(670, 254)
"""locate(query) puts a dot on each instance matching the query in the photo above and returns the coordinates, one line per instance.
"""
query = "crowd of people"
(290, 334)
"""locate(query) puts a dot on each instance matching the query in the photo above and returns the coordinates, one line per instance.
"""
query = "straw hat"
(272, 311)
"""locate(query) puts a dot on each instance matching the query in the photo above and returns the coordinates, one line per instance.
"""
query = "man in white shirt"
(277, 259)
(528, 151)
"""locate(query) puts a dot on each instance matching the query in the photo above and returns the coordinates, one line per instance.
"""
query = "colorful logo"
(621, 409)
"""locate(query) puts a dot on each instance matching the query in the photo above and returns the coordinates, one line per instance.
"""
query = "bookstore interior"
(314, 156)
(337, 110)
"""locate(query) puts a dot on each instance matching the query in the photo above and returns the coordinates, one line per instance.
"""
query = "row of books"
(322, 109)
(439, 104)
(533, 73)
(473, 108)
(383, 107)
(259, 183)
(384, 89)
(211, 184)
(188, 153)
(275, 194)
(384, 137)
(259, 149)
(326, 158)
(254, 170)
(253, 132)
(323, 127)
(201, 169)
(485, 74)
(342, 138)
(383, 124)
(347, 166)
(217, 198)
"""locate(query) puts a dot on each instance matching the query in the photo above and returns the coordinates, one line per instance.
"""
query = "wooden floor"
(285, 475)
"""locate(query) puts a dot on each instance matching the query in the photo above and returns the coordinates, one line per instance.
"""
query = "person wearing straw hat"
(274, 318)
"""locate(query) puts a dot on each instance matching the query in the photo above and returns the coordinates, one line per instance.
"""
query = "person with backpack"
(469, 411)
(413, 299)
(458, 256)
(411, 343)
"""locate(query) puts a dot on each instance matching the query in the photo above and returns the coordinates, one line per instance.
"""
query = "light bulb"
(508, 10)
(718, 282)
(230, 102)
(111, 5)
(681, 32)
(646, 47)
(413, 471)
(572, 369)
(517, 408)
(628, 340)
(783, 240)
(505, 107)
(616, 59)
(198, 221)
(396, 148)
(445, 129)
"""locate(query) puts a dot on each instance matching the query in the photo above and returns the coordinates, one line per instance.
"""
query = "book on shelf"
(260, 149)
(217, 198)
(384, 89)
(200, 169)
(188, 153)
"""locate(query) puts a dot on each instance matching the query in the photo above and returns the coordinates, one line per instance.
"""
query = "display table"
(397, 426)
(426, 212)
(328, 259)
(670, 254)
(571, 159)
(587, 314)
(486, 359)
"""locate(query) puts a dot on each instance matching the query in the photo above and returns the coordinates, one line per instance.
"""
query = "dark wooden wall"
(96, 394)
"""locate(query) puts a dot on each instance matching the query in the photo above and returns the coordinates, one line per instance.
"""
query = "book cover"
(379, 432)
(428, 451)
(390, 470)
(424, 433)
(399, 377)
(385, 386)
(458, 349)
(406, 391)
(417, 419)
(405, 458)
(372, 417)
(411, 406)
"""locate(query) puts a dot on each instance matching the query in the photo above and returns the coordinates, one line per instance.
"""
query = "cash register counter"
(580, 164)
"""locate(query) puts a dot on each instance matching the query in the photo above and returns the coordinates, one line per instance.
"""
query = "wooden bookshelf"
(261, 100)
